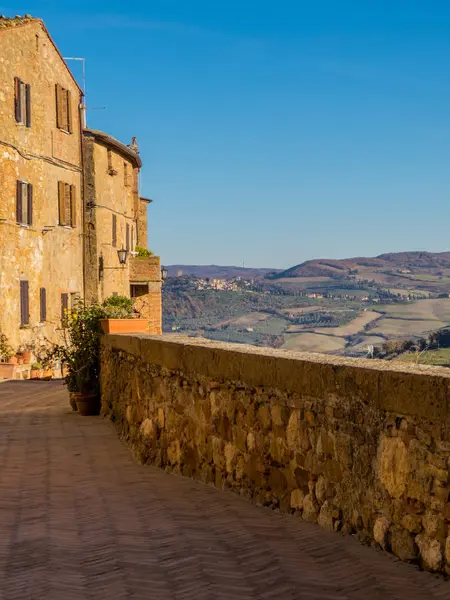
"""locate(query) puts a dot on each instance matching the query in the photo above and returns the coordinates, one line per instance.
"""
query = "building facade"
(41, 216)
(69, 196)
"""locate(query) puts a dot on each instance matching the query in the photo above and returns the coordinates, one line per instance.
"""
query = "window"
(126, 180)
(132, 238)
(22, 102)
(114, 231)
(66, 204)
(64, 309)
(127, 237)
(63, 109)
(24, 304)
(43, 305)
(24, 203)
(75, 299)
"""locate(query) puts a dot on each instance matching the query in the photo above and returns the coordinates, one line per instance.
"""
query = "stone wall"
(109, 191)
(358, 446)
(145, 278)
(44, 253)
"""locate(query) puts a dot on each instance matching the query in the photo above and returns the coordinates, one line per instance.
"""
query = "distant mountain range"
(414, 261)
(218, 272)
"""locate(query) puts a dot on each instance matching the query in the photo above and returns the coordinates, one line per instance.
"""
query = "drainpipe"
(82, 114)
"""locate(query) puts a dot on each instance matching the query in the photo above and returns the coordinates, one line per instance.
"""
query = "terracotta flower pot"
(35, 374)
(73, 401)
(26, 358)
(12, 360)
(124, 325)
(47, 374)
(88, 404)
(19, 360)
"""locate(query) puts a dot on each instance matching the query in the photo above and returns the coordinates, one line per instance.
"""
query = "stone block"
(380, 531)
(402, 544)
(430, 552)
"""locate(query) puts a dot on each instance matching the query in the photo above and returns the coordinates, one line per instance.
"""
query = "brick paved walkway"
(79, 518)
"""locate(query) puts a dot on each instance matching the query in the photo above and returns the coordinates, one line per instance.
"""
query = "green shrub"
(6, 351)
(143, 251)
(118, 307)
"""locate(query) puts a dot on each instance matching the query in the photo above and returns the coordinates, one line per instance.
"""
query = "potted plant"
(36, 371)
(7, 357)
(120, 316)
(80, 357)
(24, 354)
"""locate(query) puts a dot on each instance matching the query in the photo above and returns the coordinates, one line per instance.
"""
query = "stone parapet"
(145, 269)
(359, 446)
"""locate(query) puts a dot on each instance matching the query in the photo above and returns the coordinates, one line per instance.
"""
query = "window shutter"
(28, 105)
(24, 305)
(59, 118)
(19, 202)
(43, 304)
(61, 212)
(73, 206)
(114, 230)
(67, 210)
(17, 103)
(127, 238)
(69, 111)
(30, 203)
(64, 308)
(132, 238)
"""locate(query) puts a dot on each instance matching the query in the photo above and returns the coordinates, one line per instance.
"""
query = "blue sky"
(273, 132)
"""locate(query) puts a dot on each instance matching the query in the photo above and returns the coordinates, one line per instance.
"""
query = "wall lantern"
(122, 254)
(164, 273)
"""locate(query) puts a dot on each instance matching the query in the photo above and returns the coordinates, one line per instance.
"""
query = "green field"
(440, 356)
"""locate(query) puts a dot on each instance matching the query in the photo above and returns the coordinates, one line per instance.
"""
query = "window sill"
(65, 226)
(25, 326)
(64, 131)
(25, 226)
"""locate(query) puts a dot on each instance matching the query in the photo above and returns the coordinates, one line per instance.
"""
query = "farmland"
(341, 307)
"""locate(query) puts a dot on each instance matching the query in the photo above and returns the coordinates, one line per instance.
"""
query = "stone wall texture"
(145, 272)
(45, 254)
(360, 447)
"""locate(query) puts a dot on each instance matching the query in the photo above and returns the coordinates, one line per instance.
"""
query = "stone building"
(68, 196)
(41, 216)
(115, 220)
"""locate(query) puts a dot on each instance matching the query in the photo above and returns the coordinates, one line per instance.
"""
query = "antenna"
(83, 71)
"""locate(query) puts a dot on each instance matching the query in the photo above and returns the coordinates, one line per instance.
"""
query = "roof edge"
(34, 21)
(111, 142)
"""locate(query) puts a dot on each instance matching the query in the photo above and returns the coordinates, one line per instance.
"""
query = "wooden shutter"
(59, 106)
(30, 203)
(64, 308)
(28, 105)
(67, 210)
(17, 102)
(43, 305)
(127, 237)
(132, 238)
(24, 305)
(69, 111)
(73, 206)
(19, 201)
(114, 230)
(61, 212)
